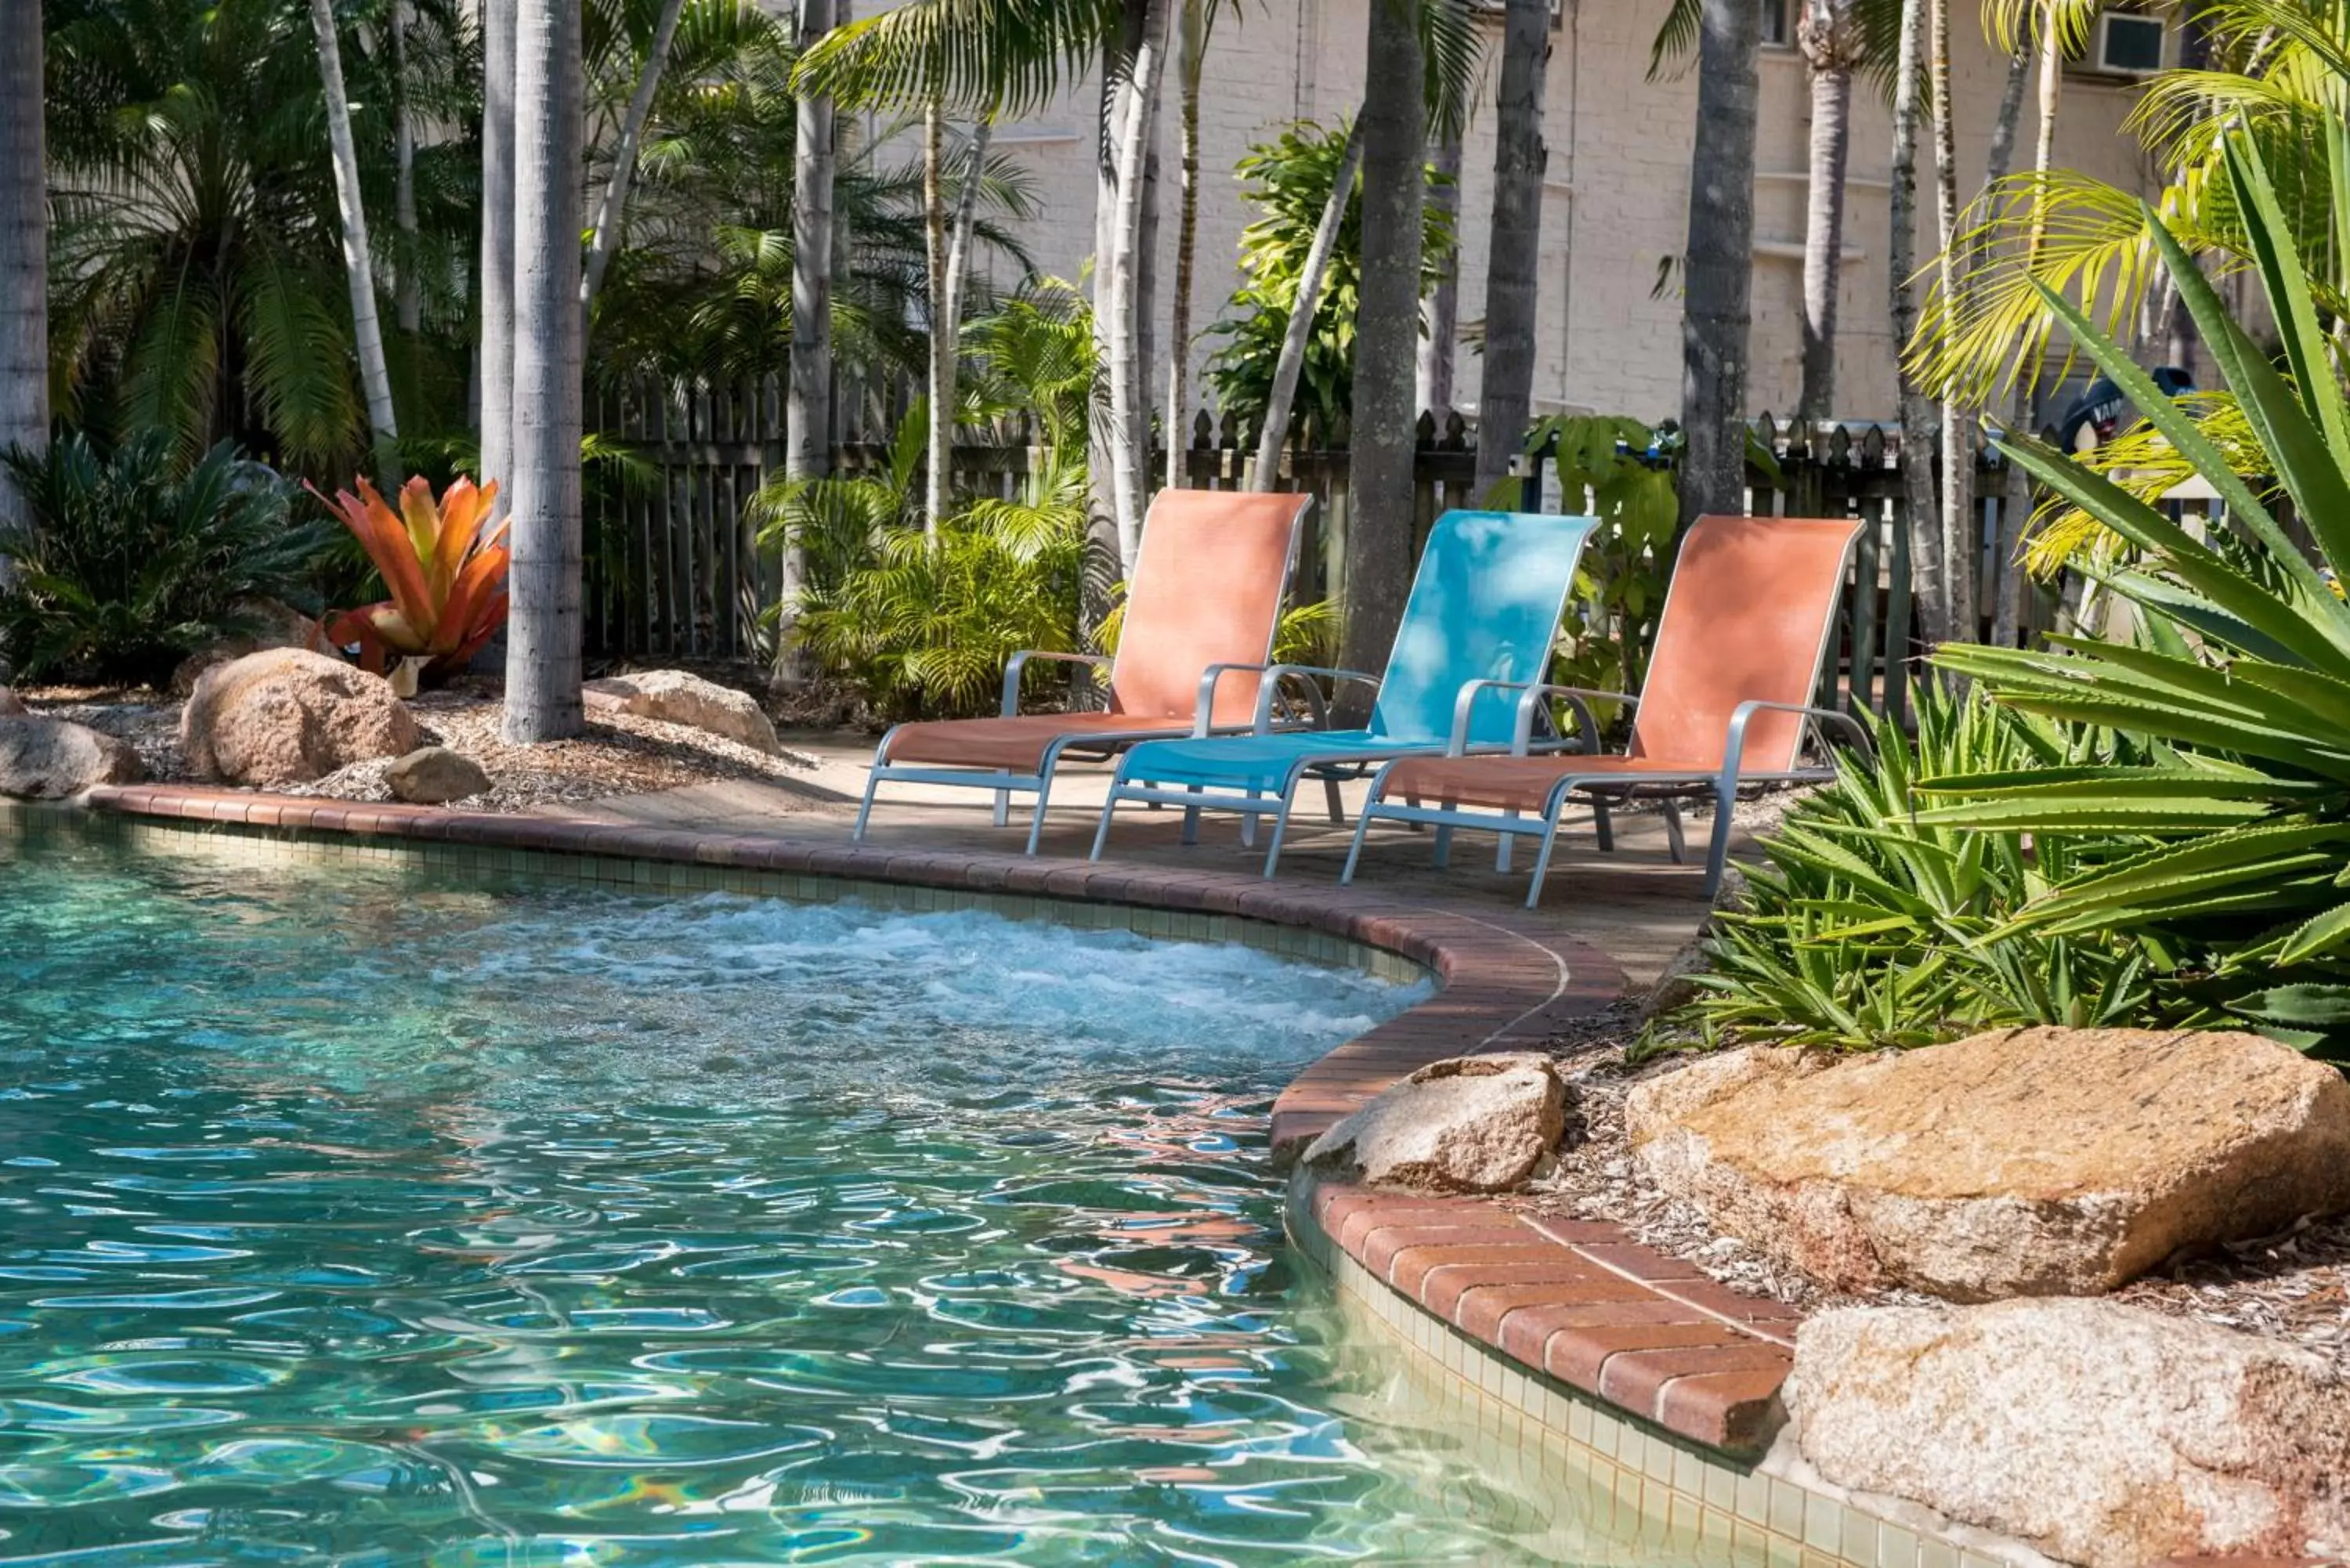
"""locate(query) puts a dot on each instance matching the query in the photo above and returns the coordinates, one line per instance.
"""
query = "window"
(2127, 45)
(1776, 30)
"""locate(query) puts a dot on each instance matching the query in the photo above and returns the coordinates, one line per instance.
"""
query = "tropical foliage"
(2241, 685)
(1622, 471)
(1867, 925)
(446, 565)
(1289, 182)
(130, 560)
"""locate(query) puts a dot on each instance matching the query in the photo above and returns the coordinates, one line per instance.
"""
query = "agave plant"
(446, 576)
(2241, 684)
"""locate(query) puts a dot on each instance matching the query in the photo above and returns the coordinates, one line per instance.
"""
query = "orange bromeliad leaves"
(446, 576)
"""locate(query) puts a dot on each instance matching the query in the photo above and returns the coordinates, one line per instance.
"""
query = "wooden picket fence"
(675, 568)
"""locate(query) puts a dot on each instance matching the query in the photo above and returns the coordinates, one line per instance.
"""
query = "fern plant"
(127, 562)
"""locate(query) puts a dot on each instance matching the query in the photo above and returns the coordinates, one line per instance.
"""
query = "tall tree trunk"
(1190, 61)
(407, 284)
(1961, 533)
(23, 247)
(497, 263)
(1831, 45)
(1291, 363)
(966, 217)
(1513, 257)
(359, 266)
(941, 447)
(1129, 376)
(1928, 577)
(1103, 568)
(1387, 338)
(2015, 493)
(543, 664)
(807, 400)
(1439, 340)
(1718, 262)
(610, 210)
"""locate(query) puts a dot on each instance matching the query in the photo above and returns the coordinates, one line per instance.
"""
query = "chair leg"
(1330, 798)
(865, 811)
(1542, 860)
(1101, 833)
(1603, 825)
(1004, 805)
(1036, 824)
(1280, 826)
(1503, 850)
(1717, 852)
(1674, 839)
(1248, 825)
(1362, 832)
(1191, 821)
(1443, 856)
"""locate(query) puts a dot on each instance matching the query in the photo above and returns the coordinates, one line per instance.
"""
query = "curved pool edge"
(1570, 1331)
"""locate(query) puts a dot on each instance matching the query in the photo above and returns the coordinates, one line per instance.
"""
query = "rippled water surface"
(348, 1216)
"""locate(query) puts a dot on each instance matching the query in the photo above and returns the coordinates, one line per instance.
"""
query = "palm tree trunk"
(2006, 584)
(966, 216)
(1928, 576)
(1513, 267)
(24, 246)
(1440, 319)
(497, 263)
(624, 157)
(1394, 121)
(1291, 363)
(1129, 375)
(543, 664)
(807, 398)
(1103, 567)
(1961, 533)
(1190, 61)
(359, 268)
(1829, 44)
(407, 284)
(943, 352)
(1718, 261)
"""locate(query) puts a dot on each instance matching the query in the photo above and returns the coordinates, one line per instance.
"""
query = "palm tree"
(358, 263)
(1394, 128)
(1129, 408)
(543, 652)
(1929, 573)
(496, 272)
(807, 406)
(1717, 262)
(1287, 369)
(1829, 32)
(1440, 337)
(24, 246)
(1514, 252)
(1961, 542)
(1193, 29)
(606, 237)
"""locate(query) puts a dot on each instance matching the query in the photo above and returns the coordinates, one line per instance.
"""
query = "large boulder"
(288, 716)
(1473, 1123)
(2100, 1434)
(675, 697)
(2026, 1161)
(435, 776)
(48, 759)
(274, 625)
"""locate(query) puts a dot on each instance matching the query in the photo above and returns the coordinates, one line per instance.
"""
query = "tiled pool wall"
(236, 844)
(1655, 1497)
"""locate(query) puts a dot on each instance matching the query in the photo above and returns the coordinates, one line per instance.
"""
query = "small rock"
(675, 697)
(2100, 1434)
(435, 776)
(288, 716)
(2025, 1161)
(1472, 1124)
(11, 705)
(48, 759)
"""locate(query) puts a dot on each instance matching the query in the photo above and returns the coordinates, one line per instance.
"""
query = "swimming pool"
(355, 1213)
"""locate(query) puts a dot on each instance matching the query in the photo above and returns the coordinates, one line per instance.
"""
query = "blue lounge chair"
(1484, 607)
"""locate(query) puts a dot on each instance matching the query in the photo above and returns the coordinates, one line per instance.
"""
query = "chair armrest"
(1579, 698)
(1019, 665)
(1275, 674)
(1733, 750)
(1203, 715)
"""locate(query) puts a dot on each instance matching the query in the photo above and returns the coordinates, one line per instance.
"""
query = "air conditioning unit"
(2129, 45)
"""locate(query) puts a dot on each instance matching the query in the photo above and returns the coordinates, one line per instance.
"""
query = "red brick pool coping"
(1579, 1301)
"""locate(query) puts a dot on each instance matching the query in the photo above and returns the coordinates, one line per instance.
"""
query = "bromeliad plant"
(2240, 684)
(446, 576)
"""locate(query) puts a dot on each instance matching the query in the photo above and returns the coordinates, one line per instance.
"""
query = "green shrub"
(1868, 926)
(130, 561)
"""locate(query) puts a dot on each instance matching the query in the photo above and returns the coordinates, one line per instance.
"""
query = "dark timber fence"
(675, 568)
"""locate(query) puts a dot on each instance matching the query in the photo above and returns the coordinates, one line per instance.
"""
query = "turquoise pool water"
(352, 1215)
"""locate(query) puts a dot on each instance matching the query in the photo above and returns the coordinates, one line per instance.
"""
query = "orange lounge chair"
(1746, 627)
(1199, 620)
